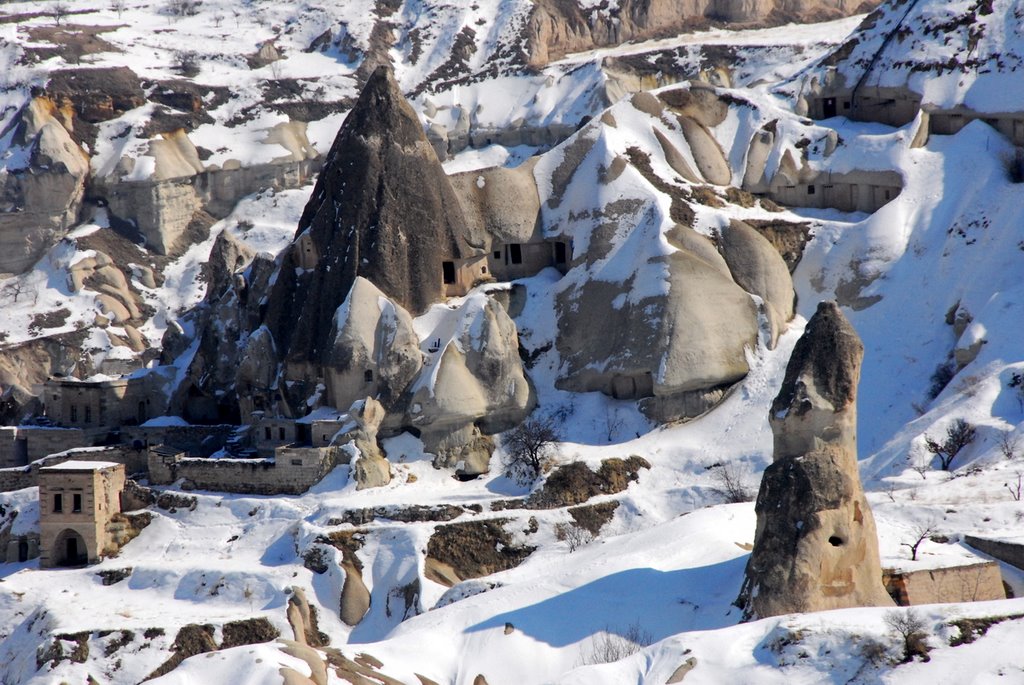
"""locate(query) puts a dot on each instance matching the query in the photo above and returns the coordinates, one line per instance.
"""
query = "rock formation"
(815, 547)
(382, 209)
(41, 185)
(371, 468)
(556, 27)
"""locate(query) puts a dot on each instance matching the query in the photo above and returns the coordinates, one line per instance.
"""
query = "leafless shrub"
(608, 646)
(730, 483)
(59, 10)
(959, 434)
(573, 535)
(118, 6)
(911, 628)
(1009, 444)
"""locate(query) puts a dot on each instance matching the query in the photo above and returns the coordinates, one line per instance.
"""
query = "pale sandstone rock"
(758, 268)
(815, 547)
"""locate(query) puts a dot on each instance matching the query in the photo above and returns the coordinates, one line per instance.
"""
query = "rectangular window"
(368, 376)
(280, 433)
(449, 271)
(58, 503)
(76, 503)
(267, 435)
(296, 462)
(810, 190)
(515, 253)
(88, 414)
(497, 255)
(74, 413)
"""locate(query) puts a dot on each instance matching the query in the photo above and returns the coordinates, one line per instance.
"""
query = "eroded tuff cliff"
(816, 546)
(559, 27)
(383, 209)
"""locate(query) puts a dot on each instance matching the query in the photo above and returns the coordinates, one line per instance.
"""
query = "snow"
(74, 465)
(672, 557)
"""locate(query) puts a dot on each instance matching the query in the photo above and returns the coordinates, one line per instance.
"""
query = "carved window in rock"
(368, 376)
(267, 434)
(515, 253)
(448, 269)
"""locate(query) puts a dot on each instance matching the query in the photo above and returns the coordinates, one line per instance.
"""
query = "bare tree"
(920, 532)
(910, 627)
(119, 6)
(1015, 488)
(527, 446)
(59, 10)
(959, 434)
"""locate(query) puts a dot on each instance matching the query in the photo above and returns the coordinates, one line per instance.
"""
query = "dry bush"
(959, 434)
(910, 627)
(608, 646)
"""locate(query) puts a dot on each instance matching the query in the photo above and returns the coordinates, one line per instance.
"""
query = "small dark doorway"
(140, 414)
(22, 550)
(21, 452)
(302, 434)
(828, 108)
(515, 253)
(69, 549)
(449, 271)
(559, 253)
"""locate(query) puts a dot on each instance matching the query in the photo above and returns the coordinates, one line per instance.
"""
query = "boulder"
(689, 337)
(815, 546)
(758, 268)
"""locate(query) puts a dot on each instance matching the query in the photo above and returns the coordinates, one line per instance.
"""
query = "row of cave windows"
(513, 255)
(811, 190)
(73, 412)
(58, 503)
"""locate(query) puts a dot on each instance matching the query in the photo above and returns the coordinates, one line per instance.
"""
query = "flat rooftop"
(81, 466)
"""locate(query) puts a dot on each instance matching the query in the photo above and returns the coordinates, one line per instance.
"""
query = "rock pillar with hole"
(815, 547)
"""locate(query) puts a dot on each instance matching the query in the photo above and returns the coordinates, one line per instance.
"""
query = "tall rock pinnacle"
(382, 209)
(815, 546)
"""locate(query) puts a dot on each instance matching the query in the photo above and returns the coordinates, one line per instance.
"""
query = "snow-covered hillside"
(931, 282)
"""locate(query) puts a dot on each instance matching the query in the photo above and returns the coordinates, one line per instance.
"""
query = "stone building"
(77, 500)
(98, 404)
(21, 445)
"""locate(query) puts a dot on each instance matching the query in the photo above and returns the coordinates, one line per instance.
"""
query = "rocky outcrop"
(758, 268)
(558, 27)
(382, 209)
(815, 546)
(371, 469)
(41, 185)
(691, 338)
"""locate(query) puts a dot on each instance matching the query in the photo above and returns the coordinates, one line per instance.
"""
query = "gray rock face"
(815, 547)
(383, 209)
(664, 344)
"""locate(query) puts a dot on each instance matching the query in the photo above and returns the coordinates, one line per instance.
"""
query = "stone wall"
(17, 478)
(1009, 552)
(972, 583)
(21, 445)
(858, 191)
(197, 441)
(292, 471)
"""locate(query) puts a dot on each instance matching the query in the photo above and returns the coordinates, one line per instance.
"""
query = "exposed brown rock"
(815, 546)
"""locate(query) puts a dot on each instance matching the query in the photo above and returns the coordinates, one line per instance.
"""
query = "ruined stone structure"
(77, 500)
(815, 546)
(977, 582)
(292, 471)
(21, 445)
(99, 405)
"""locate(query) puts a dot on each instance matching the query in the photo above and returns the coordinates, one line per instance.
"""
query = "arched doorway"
(69, 549)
